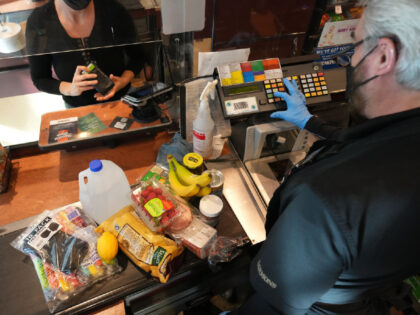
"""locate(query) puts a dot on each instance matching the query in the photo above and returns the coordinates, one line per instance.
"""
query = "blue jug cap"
(95, 165)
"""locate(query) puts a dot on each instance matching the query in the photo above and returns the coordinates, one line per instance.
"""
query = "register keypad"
(311, 85)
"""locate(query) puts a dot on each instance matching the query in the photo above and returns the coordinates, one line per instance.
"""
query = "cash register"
(266, 146)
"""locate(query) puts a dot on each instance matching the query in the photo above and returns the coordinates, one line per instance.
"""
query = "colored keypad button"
(318, 88)
(324, 87)
(313, 94)
(307, 94)
(319, 93)
(320, 74)
(282, 89)
(321, 78)
(269, 91)
(317, 84)
(266, 81)
(275, 90)
(271, 100)
(277, 99)
(267, 86)
(323, 83)
(325, 92)
(270, 95)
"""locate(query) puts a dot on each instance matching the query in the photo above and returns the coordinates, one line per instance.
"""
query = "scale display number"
(241, 105)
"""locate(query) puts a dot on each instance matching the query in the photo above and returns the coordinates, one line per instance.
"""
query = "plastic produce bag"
(62, 246)
(178, 147)
(225, 249)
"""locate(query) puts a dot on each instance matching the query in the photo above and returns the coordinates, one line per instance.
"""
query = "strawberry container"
(155, 205)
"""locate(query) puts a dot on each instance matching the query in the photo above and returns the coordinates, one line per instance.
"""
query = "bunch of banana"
(185, 183)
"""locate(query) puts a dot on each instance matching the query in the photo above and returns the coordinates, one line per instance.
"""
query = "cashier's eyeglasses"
(51, 228)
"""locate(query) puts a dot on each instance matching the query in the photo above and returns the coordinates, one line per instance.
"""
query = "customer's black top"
(46, 36)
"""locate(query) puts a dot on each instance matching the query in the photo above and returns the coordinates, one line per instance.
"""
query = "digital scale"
(248, 87)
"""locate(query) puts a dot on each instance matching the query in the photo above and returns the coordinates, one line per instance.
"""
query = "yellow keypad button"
(322, 78)
(313, 94)
(317, 84)
(267, 86)
(316, 79)
(318, 88)
(295, 77)
(307, 94)
(319, 93)
(323, 83)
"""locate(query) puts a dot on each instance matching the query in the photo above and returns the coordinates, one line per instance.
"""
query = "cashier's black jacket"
(345, 223)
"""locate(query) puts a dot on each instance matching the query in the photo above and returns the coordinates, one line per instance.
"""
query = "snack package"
(62, 246)
(151, 251)
(159, 209)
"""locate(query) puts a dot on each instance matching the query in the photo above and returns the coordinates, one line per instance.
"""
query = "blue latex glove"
(297, 112)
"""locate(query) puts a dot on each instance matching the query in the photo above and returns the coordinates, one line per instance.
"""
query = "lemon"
(107, 247)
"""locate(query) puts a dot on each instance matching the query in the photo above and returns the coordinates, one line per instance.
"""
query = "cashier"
(80, 26)
(342, 228)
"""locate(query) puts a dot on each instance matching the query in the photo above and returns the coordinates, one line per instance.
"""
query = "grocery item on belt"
(194, 162)
(151, 251)
(62, 246)
(217, 180)
(158, 208)
(197, 237)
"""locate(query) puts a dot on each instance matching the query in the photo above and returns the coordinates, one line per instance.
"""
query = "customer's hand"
(81, 82)
(119, 83)
(297, 112)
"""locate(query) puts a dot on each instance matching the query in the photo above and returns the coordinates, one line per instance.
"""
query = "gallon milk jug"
(103, 190)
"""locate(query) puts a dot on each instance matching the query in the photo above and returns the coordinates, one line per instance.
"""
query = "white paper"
(193, 91)
(179, 16)
(337, 33)
(207, 61)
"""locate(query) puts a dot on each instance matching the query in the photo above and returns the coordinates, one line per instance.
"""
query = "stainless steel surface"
(263, 176)
(242, 196)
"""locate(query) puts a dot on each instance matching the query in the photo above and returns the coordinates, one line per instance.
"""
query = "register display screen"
(241, 90)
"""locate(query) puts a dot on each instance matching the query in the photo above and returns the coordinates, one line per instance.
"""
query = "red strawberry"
(152, 195)
(158, 191)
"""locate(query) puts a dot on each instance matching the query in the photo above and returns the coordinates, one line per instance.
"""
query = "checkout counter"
(47, 180)
(45, 176)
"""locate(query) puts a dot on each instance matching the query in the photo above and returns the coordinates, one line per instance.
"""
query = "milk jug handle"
(82, 184)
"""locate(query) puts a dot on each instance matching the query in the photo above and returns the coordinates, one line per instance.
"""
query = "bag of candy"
(62, 246)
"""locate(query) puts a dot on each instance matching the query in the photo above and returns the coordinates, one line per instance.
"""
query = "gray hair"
(400, 21)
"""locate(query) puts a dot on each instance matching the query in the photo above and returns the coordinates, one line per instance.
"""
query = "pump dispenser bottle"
(203, 125)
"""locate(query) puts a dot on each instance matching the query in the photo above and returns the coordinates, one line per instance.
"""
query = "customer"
(343, 229)
(80, 27)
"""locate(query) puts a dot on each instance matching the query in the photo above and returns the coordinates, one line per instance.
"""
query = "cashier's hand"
(119, 83)
(297, 112)
(81, 82)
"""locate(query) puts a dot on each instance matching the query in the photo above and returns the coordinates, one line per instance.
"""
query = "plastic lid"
(192, 160)
(95, 165)
(211, 206)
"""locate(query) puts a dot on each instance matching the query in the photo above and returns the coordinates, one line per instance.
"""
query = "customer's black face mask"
(77, 4)
(351, 86)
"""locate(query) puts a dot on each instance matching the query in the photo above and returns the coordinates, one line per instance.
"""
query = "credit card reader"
(248, 88)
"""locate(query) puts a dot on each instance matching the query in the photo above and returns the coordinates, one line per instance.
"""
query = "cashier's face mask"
(353, 96)
(77, 4)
